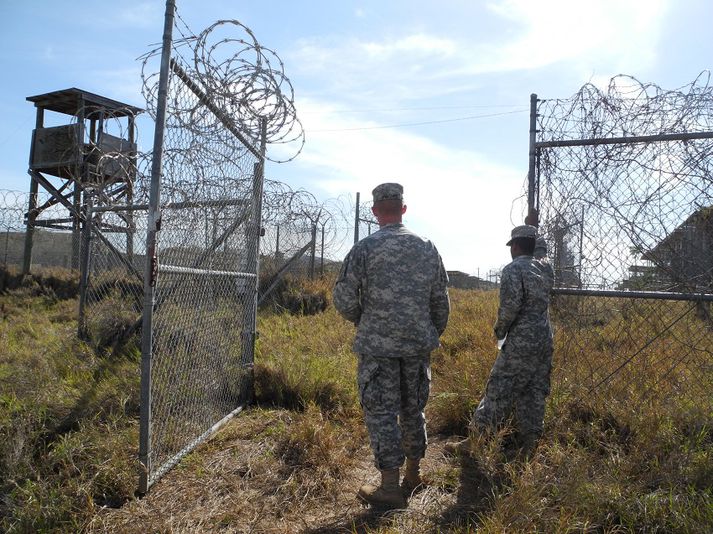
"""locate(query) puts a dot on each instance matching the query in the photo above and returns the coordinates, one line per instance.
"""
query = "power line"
(470, 117)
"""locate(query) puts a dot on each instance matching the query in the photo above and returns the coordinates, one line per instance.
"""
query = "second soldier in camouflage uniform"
(393, 286)
(520, 379)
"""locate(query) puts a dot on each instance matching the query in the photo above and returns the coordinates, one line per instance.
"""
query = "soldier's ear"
(403, 209)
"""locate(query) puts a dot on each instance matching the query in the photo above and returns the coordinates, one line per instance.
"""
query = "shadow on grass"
(474, 496)
(362, 522)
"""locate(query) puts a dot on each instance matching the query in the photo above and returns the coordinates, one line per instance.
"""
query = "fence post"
(356, 220)
(85, 265)
(130, 192)
(321, 257)
(531, 182)
(151, 270)
(277, 243)
(249, 333)
(313, 252)
(7, 239)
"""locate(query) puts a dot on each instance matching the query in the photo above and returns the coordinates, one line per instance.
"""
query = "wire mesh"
(52, 248)
(626, 205)
(111, 303)
(222, 87)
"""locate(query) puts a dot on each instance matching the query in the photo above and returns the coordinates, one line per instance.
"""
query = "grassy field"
(635, 455)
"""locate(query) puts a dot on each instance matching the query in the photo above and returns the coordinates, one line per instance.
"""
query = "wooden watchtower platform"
(73, 160)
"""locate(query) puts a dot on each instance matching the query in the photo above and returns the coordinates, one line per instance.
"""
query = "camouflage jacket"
(525, 287)
(393, 286)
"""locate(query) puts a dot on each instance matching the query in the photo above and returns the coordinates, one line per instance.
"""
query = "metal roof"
(69, 101)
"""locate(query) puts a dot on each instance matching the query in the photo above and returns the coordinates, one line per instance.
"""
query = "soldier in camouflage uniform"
(393, 286)
(520, 379)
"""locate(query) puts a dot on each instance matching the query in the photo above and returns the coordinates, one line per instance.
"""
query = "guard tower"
(81, 159)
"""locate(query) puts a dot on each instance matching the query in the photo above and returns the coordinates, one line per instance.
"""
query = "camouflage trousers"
(518, 386)
(393, 394)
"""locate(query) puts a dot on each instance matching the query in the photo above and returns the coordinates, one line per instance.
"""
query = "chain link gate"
(623, 183)
(178, 264)
(200, 284)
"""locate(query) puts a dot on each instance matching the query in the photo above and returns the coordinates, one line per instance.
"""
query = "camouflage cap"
(524, 230)
(540, 248)
(388, 191)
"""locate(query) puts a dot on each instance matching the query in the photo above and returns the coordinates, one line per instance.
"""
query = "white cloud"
(141, 15)
(414, 45)
(609, 35)
(460, 199)
(620, 31)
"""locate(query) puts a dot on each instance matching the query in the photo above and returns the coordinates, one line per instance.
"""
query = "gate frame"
(149, 475)
(533, 204)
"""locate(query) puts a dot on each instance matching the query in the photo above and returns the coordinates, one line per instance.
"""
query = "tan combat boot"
(387, 495)
(412, 477)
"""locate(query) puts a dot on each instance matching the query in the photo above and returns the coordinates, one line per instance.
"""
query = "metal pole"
(154, 218)
(84, 266)
(313, 252)
(277, 243)
(76, 224)
(130, 177)
(7, 238)
(650, 295)
(581, 245)
(251, 299)
(356, 220)
(532, 154)
(626, 140)
(321, 259)
(79, 178)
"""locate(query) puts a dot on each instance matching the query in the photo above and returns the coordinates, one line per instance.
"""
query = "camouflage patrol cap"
(524, 230)
(540, 248)
(388, 191)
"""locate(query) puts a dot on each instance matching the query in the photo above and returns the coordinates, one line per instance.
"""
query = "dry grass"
(294, 463)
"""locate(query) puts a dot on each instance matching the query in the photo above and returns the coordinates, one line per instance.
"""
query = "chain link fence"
(223, 97)
(52, 248)
(623, 180)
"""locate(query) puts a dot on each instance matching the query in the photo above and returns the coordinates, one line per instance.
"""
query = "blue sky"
(359, 69)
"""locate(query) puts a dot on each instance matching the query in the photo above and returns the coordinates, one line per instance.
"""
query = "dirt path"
(239, 483)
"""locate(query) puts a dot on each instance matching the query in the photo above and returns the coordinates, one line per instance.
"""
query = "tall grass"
(601, 466)
(67, 416)
(68, 429)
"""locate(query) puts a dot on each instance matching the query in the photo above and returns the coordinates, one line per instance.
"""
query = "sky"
(433, 95)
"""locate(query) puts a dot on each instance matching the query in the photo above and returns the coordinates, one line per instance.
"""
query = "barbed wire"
(243, 78)
(612, 210)
(626, 204)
